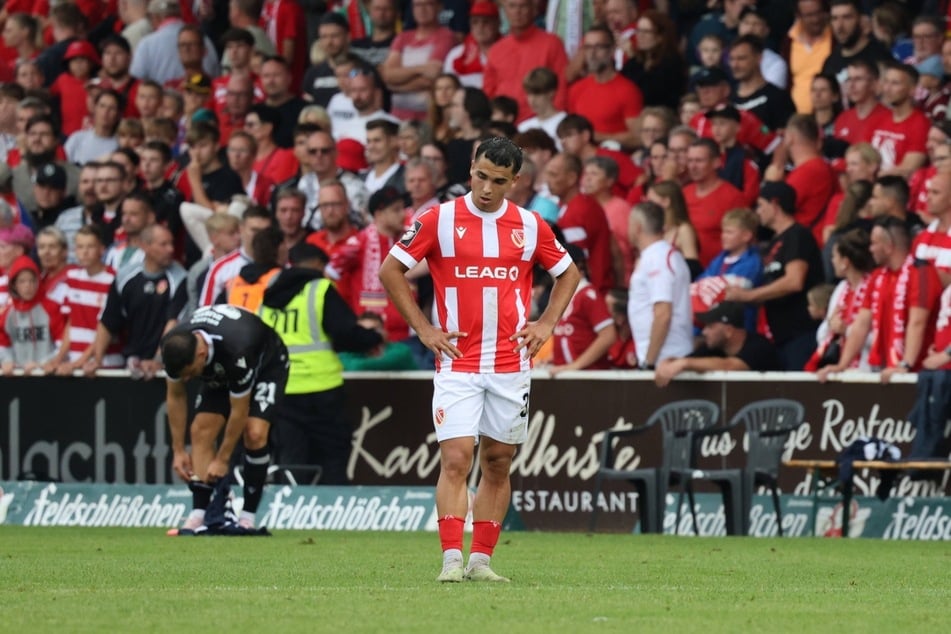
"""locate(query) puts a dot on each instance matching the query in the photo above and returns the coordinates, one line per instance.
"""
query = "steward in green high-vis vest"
(313, 321)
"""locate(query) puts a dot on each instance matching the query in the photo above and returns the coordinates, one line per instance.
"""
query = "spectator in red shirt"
(524, 48)
(241, 150)
(286, 25)
(737, 168)
(274, 163)
(586, 331)
(856, 124)
(901, 137)
(708, 196)
(116, 60)
(577, 138)
(583, 222)
(334, 210)
(903, 296)
(81, 61)
(609, 101)
(811, 177)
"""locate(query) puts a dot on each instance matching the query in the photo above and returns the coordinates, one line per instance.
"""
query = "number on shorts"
(524, 412)
(264, 395)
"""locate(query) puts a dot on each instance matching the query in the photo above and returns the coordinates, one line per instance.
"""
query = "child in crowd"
(540, 86)
(710, 53)
(31, 326)
(739, 264)
(81, 61)
(818, 300)
(689, 107)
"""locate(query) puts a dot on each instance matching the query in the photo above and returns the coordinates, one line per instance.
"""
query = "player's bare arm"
(535, 333)
(393, 278)
(177, 405)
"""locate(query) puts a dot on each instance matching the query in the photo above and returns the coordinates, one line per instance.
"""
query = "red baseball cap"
(484, 9)
(351, 155)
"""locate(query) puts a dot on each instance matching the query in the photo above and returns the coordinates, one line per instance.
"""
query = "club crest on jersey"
(439, 416)
(407, 238)
(518, 237)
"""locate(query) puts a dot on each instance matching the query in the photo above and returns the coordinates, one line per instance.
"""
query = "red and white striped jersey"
(85, 297)
(933, 245)
(481, 264)
(220, 273)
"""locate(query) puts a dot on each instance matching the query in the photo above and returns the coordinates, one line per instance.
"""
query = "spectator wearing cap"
(196, 97)
(135, 18)
(611, 103)
(15, 241)
(792, 265)
(373, 44)
(116, 60)
(736, 166)
(68, 25)
(811, 177)
(41, 148)
(80, 62)
(286, 26)
(468, 59)
(276, 81)
(157, 55)
(771, 105)
(415, 58)
(354, 264)
(100, 140)
(929, 96)
(753, 21)
(713, 91)
(320, 81)
(708, 196)
(851, 40)
(585, 332)
(273, 163)
(727, 346)
(807, 46)
(49, 190)
(351, 111)
(525, 47)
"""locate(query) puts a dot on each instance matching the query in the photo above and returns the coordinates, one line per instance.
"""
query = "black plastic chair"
(768, 424)
(678, 421)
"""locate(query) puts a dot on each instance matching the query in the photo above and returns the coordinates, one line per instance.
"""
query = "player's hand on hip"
(440, 342)
(182, 465)
(531, 338)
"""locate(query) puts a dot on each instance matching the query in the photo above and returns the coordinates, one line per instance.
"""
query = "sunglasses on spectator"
(323, 151)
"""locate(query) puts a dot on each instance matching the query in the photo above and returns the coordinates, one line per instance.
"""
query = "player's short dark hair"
(501, 152)
(178, 352)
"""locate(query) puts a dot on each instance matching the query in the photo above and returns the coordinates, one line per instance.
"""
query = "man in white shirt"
(774, 68)
(659, 306)
(349, 114)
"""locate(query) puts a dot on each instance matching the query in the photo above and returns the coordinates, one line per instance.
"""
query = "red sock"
(485, 535)
(450, 532)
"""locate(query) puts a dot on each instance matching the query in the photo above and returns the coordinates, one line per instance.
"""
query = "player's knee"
(497, 466)
(254, 438)
(203, 434)
(456, 464)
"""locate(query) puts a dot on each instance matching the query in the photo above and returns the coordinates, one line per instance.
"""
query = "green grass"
(136, 580)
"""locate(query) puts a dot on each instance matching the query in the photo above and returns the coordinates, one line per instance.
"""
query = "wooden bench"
(819, 467)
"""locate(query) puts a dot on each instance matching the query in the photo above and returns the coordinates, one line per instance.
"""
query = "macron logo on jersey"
(460, 231)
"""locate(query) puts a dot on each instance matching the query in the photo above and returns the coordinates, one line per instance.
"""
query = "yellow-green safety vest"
(315, 366)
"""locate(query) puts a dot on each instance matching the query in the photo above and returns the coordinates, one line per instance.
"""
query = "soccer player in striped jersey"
(481, 250)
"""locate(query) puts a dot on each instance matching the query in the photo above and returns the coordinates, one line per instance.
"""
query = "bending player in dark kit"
(242, 365)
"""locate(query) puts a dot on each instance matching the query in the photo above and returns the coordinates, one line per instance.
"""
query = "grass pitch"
(137, 580)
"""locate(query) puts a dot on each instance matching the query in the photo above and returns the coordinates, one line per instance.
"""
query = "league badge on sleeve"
(410, 233)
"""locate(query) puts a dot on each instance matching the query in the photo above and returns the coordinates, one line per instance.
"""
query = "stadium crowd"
(772, 176)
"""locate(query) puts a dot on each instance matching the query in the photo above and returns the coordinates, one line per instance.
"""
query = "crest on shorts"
(407, 238)
(439, 415)
(518, 237)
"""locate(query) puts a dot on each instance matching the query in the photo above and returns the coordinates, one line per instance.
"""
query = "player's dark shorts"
(266, 391)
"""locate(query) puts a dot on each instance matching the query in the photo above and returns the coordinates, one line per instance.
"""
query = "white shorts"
(474, 404)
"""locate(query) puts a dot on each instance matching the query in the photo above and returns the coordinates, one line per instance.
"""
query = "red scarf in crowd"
(899, 297)
(471, 59)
